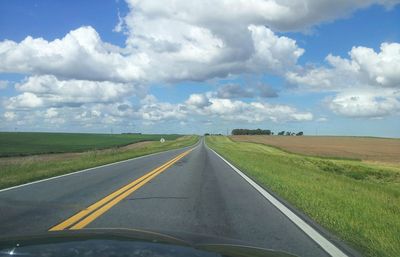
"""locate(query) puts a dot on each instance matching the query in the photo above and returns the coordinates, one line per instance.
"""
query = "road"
(197, 192)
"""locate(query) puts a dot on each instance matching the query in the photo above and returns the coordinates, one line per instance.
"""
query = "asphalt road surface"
(189, 190)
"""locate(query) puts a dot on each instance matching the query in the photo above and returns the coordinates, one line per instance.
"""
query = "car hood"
(128, 242)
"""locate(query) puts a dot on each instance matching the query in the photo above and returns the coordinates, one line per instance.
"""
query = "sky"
(174, 66)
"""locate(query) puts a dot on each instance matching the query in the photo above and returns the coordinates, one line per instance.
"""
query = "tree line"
(264, 132)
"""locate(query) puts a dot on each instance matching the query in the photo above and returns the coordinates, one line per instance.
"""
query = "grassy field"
(358, 202)
(28, 143)
(362, 148)
(19, 170)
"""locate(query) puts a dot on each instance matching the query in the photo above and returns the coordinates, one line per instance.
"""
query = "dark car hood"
(128, 242)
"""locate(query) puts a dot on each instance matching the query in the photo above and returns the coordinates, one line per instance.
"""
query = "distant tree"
(281, 133)
(288, 133)
(300, 133)
(207, 134)
(251, 132)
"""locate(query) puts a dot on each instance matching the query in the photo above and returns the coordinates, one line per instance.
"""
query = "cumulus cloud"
(9, 116)
(366, 104)
(382, 69)
(364, 67)
(367, 83)
(81, 54)
(236, 110)
(159, 54)
(96, 116)
(280, 15)
(189, 40)
(47, 90)
(180, 40)
(152, 110)
(198, 101)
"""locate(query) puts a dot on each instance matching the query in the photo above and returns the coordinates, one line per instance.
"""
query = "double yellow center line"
(86, 216)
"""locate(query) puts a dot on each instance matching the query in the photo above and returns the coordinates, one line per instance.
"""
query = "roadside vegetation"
(28, 143)
(19, 170)
(264, 132)
(358, 202)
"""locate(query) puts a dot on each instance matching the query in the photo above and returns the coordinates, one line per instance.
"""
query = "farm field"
(361, 148)
(29, 143)
(357, 201)
(23, 169)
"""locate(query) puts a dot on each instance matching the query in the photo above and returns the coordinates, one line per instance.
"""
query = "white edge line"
(330, 248)
(88, 169)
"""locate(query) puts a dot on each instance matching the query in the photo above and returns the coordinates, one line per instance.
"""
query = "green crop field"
(358, 202)
(28, 143)
(19, 170)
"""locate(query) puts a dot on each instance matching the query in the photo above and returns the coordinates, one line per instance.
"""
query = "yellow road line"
(109, 201)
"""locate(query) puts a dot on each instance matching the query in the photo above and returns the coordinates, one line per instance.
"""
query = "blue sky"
(192, 68)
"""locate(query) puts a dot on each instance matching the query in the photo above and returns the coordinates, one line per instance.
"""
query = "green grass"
(358, 202)
(19, 170)
(28, 143)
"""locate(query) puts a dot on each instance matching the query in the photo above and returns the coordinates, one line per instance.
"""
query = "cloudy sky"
(320, 66)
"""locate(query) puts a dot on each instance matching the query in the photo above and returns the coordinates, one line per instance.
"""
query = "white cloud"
(51, 113)
(182, 51)
(191, 40)
(180, 40)
(315, 79)
(151, 110)
(24, 100)
(253, 112)
(47, 90)
(198, 101)
(367, 83)
(120, 25)
(382, 68)
(365, 67)
(9, 116)
(186, 52)
(366, 104)
(277, 14)
(81, 55)
(166, 42)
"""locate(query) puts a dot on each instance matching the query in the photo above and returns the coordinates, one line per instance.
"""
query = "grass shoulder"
(358, 202)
